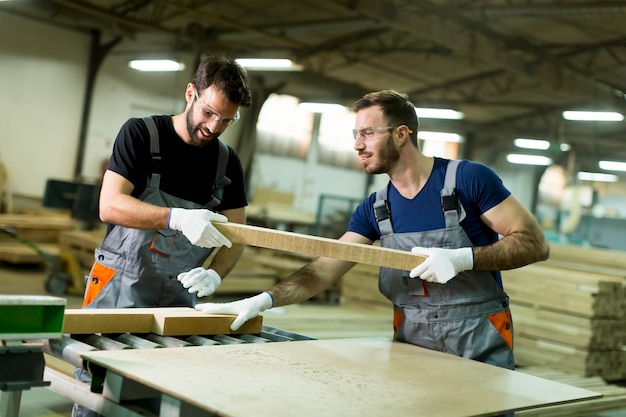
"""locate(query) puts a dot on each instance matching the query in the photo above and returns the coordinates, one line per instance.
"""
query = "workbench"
(336, 377)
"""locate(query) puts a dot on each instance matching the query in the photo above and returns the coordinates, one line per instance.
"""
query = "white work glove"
(442, 264)
(244, 309)
(200, 280)
(196, 226)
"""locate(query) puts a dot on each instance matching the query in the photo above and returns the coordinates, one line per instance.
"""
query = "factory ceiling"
(511, 66)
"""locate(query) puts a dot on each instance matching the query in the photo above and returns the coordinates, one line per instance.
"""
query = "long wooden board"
(319, 246)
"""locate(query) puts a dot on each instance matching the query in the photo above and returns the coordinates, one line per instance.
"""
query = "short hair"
(396, 108)
(227, 76)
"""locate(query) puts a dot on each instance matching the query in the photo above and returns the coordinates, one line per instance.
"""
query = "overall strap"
(452, 208)
(155, 152)
(382, 212)
(221, 180)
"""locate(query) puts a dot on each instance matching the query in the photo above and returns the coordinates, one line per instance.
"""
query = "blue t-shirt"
(478, 188)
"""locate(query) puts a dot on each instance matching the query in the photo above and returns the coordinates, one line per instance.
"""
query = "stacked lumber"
(17, 253)
(259, 269)
(36, 228)
(360, 287)
(248, 276)
(570, 311)
(81, 244)
(614, 396)
(35, 234)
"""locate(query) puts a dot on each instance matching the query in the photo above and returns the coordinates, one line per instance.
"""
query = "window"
(283, 129)
(441, 149)
(336, 145)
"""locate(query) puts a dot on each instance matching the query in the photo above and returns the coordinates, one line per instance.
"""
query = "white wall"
(41, 92)
(121, 93)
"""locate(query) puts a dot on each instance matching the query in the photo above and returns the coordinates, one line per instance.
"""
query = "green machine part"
(31, 317)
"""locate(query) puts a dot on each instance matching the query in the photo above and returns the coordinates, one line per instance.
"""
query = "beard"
(194, 130)
(388, 155)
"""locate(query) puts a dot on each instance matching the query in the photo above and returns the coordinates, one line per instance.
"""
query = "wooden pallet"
(81, 244)
(36, 228)
(17, 253)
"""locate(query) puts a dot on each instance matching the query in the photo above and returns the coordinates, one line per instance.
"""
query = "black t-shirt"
(187, 171)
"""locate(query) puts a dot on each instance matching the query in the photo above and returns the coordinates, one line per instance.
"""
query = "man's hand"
(442, 264)
(244, 309)
(200, 280)
(196, 226)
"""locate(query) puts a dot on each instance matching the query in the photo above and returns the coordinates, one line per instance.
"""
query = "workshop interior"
(534, 90)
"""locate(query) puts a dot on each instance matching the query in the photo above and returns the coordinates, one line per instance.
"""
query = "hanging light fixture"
(594, 116)
(156, 65)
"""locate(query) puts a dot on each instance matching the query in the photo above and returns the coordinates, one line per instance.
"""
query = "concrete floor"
(311, 319)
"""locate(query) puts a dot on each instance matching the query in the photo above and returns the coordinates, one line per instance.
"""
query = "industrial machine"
(180, 362)
(25, 317)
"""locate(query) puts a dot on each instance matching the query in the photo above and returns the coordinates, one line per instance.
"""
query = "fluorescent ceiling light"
(428, 113)
(515, 158)
(598, 116)
(156, 65)
(266, 64)
(596, 176)
(531, 143)
(612, 165)
(565, 147)
(322, 107)
(439, 136)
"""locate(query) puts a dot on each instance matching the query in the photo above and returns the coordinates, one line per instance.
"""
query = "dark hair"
(396, 108)
(227, 76)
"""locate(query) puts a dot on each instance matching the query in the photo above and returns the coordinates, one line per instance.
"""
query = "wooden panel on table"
(198, 323)
(165, 321)
(318, 246)
(342, 377)
(112, 320)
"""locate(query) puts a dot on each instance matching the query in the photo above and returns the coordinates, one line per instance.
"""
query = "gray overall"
(138, 268)
(468, 316)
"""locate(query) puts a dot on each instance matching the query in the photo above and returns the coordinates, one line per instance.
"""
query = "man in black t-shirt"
(168, 178)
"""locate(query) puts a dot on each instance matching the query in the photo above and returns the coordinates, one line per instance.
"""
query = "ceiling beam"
(463, 35)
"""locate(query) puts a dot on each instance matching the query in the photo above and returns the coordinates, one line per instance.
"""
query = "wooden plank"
(319, 246)
(343, 377)
(108, 320)
(165, 321)
(197, 323)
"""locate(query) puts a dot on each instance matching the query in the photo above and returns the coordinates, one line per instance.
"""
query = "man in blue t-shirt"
(452, 213)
